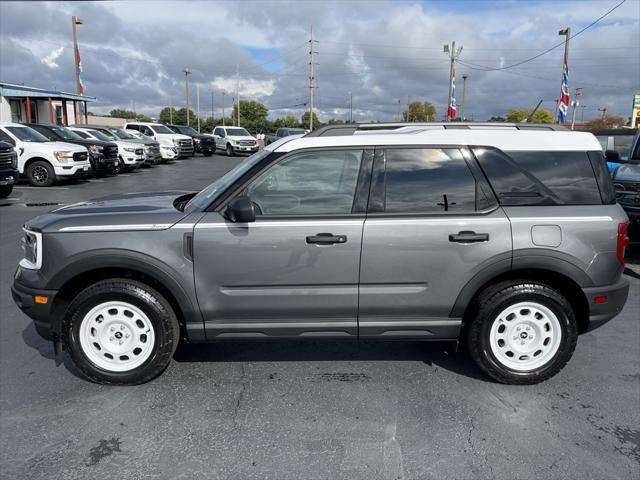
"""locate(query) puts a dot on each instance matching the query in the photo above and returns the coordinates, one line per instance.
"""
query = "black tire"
(495, 300)
(207, 153)
(229, 150)
(41, 174)
(5, 190)
(155, 307)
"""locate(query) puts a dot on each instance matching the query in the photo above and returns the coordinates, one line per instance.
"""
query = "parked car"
(42, 161)
(472, 235)
(626, 180)
(151, 148)
(8, 169)
(103, 155)
(234, 140)
(130, 154)
(203, 143)
(617, 139)
(283, 132)
(172, 145)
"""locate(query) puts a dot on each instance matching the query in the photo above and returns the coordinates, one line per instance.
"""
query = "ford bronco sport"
(508, 239)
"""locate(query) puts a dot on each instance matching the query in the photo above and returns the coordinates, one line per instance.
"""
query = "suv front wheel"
(120, 331)
(524, 332)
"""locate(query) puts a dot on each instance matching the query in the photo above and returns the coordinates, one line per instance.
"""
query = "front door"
(433, 224)
(294, 271)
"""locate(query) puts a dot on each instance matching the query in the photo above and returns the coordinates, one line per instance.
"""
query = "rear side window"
(429, 180)
(540, 177)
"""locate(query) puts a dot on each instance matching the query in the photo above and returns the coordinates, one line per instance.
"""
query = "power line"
(561, 44)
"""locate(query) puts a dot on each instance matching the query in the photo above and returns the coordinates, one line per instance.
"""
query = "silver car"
(507, 239)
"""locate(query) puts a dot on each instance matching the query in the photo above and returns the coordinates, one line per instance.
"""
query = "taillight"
(623, 241)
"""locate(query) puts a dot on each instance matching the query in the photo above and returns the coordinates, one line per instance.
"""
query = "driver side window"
(311, 183)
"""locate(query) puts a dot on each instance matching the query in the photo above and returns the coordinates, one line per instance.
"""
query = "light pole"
(453, 55)
(187, 72)
(575, 105)
(223, 94)
(464, 91)
(604, 111)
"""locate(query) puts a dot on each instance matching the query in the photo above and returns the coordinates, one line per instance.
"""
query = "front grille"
(80, 157)
(186, 144)
(7, 157)
(247, 143)
(628, 193)
(139, 151)
(207, 141)
(110, 152)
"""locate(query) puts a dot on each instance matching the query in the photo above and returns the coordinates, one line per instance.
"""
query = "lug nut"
(111, 338)
(121, 327)
(112, 329)
(126, 335)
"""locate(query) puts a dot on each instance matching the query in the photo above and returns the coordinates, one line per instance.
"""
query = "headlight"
(147, 148)
(63, 156)
(196, 141)
(130, 150)
(14, 160)
(32, 248)
(176, 141)
(95, 149)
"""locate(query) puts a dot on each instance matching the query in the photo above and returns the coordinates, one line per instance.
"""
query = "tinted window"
(6, 138)
(428, 181)
(312, 183)
(100, 135)
(81, 134)
(27, 134)
(540, 178)
(603, 177)
(622, 144)
(158, 129)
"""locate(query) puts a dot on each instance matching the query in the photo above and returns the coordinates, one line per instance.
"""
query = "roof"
(504, 139)
(22, 91)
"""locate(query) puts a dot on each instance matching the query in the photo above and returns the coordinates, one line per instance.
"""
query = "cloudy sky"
(381, 51)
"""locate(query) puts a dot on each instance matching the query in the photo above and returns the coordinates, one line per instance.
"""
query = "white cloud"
(249, 87)
(51, 59)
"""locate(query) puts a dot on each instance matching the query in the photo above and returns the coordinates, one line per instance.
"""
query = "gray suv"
(508, 239)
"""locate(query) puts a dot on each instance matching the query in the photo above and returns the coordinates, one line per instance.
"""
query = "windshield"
(237, 132)
(101, 136)
(208, 194)
(186, 130)
(622, 144)
(27, 134)
(66, 134)
(120, 133)
(161, 129)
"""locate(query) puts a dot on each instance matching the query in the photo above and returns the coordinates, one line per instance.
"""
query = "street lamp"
(575, 105)
(187, 72)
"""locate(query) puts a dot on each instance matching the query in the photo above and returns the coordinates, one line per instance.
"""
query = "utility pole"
(453, 55)
(604, 111)
(464, 91)
(408, 110)
(76, 56)
(187, 72)
(399, 112)
(223, 94)
(563, 102)
(211, 105)
(171, 110)
(312, 77)
(350, 108)
(238, 90)
(198, 105)
(575, 104)
(582, 112)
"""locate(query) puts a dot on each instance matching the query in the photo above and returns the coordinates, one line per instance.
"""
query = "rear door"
(433, 223)
(294, 271)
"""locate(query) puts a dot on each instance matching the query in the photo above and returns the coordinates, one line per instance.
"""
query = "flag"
(563, 104)
(452, 111)
(79, 64)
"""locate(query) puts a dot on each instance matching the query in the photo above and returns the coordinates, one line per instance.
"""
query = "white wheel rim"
(117, 336)
(525, 336)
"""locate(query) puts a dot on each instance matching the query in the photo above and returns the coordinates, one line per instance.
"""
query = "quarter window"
(312, 183)
(428, 181)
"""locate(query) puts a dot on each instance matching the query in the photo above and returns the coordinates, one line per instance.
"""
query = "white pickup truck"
(172, 144)
(234, 140)
(43, 161)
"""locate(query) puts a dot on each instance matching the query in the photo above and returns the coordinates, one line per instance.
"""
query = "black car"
(102, 155)
(8, 169)
(202, 143)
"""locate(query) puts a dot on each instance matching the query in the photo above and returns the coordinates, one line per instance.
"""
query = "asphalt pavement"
(317, 410)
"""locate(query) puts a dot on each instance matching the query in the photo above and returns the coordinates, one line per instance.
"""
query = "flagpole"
(76, 56)
(561, 114)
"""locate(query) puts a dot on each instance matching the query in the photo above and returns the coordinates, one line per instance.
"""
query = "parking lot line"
(38, 188)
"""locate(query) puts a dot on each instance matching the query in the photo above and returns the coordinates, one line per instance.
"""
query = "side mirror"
(612, 156)
(241, 210)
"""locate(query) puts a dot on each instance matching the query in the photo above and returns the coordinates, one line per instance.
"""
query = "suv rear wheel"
(524, 332)
(41, 174)
(120, 331)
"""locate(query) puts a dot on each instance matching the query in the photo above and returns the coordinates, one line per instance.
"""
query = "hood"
(140, 141)
(85, 142)
(130, 211)
(129, 144)
(627, 173)
(62, 146)
(241, 137)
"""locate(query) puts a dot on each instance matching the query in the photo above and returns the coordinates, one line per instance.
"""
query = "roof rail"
(352, 128)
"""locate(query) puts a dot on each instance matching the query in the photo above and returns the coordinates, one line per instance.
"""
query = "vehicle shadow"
(434, 354)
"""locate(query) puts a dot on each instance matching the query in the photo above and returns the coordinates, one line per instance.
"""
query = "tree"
(609, 121)
(286, 122)
(336, 121)
(420, 112)
(516, 115)
(305, 120)
(129, 115)
(497, 119)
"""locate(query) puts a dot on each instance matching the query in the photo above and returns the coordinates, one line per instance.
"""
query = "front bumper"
(80, 170)
(9, 177)
(601, 313)
(41, 314)
(245, 149)
(104, 165)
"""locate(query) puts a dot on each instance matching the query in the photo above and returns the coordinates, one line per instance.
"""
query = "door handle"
(326, 239)
(468, 236)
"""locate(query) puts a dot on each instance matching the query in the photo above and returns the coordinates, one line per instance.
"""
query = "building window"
(16, 110)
